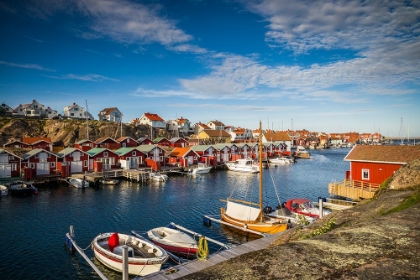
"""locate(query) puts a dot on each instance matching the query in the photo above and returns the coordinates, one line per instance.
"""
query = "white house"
(152, 120)
(216, 125)
(181, 126)
(34, 109)
(110, 114)
(75, 111)
(5, 109)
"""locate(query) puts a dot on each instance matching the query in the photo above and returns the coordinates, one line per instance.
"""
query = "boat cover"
(242, 212)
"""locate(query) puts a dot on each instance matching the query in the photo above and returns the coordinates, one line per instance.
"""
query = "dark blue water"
(33, 228)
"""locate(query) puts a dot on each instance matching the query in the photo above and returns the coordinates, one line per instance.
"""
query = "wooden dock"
(213, 259)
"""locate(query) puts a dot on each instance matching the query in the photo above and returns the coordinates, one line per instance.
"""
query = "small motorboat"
(21, 188)
(305, 207)
(109, 181)
(279, 161)
(4, 190)
(158, 177)
(78, 183)
(144, 257)
(174, 241)
(201, 168)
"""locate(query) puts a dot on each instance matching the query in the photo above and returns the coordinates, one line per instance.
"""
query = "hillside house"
(5, 110)
(371, 165)
(210, 136)
(9, 164)
(75, 111)
(110, 114)
(179, 127)
(34, 109)
(152, 120)
(199, 127)
(216, 125)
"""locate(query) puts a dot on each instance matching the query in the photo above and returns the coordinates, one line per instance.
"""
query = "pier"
(196, 265)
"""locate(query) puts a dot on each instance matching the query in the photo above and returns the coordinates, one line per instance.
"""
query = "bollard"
(125, 262)
(321, 210)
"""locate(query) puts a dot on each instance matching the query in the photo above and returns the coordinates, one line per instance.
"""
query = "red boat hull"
(184, 252)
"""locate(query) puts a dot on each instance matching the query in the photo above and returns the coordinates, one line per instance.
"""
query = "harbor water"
(33, 228)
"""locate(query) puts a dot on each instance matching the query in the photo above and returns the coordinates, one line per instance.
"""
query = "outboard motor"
(267, 209)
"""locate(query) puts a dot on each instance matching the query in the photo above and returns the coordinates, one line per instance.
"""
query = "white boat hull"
(243, 165)
(136, 265)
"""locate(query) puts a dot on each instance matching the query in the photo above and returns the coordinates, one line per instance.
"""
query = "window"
(32, 165)
(52, 164)
(85, 163)
(14, 166)
(134, 153)
(365, 174)
(105, 154)
(11, 157)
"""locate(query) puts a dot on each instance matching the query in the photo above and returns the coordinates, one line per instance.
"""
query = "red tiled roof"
(153, 117)
(31, 140)
(277, 136)
(388, 154)
(179, 152)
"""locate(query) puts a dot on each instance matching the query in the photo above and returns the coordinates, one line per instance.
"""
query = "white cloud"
(306, 25)
(86, 78)
(27, 66)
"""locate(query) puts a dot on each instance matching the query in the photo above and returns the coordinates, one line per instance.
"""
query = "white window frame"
(52, 164)
(365, 172)
(32, 165)
(105, 154)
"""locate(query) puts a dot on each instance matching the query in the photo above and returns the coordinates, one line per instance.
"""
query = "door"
(43, 168)
(76, 167)
(134, 162)
(5, 170)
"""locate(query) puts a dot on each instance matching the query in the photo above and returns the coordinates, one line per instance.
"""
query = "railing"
(355, 190)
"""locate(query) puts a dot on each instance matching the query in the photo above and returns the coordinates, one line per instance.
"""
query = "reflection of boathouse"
(369, 167)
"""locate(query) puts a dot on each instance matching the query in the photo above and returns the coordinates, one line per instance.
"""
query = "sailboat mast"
(260, 158)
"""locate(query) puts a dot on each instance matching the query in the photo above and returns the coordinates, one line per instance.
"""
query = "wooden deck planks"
(198, 265)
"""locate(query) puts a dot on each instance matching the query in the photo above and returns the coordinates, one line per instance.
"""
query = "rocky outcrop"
(70, 131)
(376, 239)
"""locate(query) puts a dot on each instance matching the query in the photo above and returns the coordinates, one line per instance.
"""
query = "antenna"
(87, 122)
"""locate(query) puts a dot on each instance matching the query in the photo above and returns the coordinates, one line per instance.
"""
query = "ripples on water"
(33, 228)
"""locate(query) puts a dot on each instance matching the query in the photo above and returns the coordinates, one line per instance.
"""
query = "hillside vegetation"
(68, 132)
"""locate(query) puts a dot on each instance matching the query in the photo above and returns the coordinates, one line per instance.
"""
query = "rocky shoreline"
(377, 239)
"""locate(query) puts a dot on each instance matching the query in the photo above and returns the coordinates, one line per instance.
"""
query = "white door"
(42, 168)
(190, 160)
(4, 158)
(76, 167)
(5, 170)
(134, 162)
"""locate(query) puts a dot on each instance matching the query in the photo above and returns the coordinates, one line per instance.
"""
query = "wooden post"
(125, 262)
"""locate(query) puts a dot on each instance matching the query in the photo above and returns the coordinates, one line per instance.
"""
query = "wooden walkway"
(213, 259)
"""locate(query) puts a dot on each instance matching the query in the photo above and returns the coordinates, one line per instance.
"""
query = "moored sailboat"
(250, 215)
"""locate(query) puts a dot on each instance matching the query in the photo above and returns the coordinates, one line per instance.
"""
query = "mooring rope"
(203, 248)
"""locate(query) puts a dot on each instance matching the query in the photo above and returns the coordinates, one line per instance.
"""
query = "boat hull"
(22, 189)
(273, 227)
(174, 241)
(140, 266)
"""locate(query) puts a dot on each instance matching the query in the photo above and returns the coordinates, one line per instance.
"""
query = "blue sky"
(331, 66)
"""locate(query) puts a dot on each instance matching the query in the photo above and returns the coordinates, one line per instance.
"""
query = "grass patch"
(412, 200)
